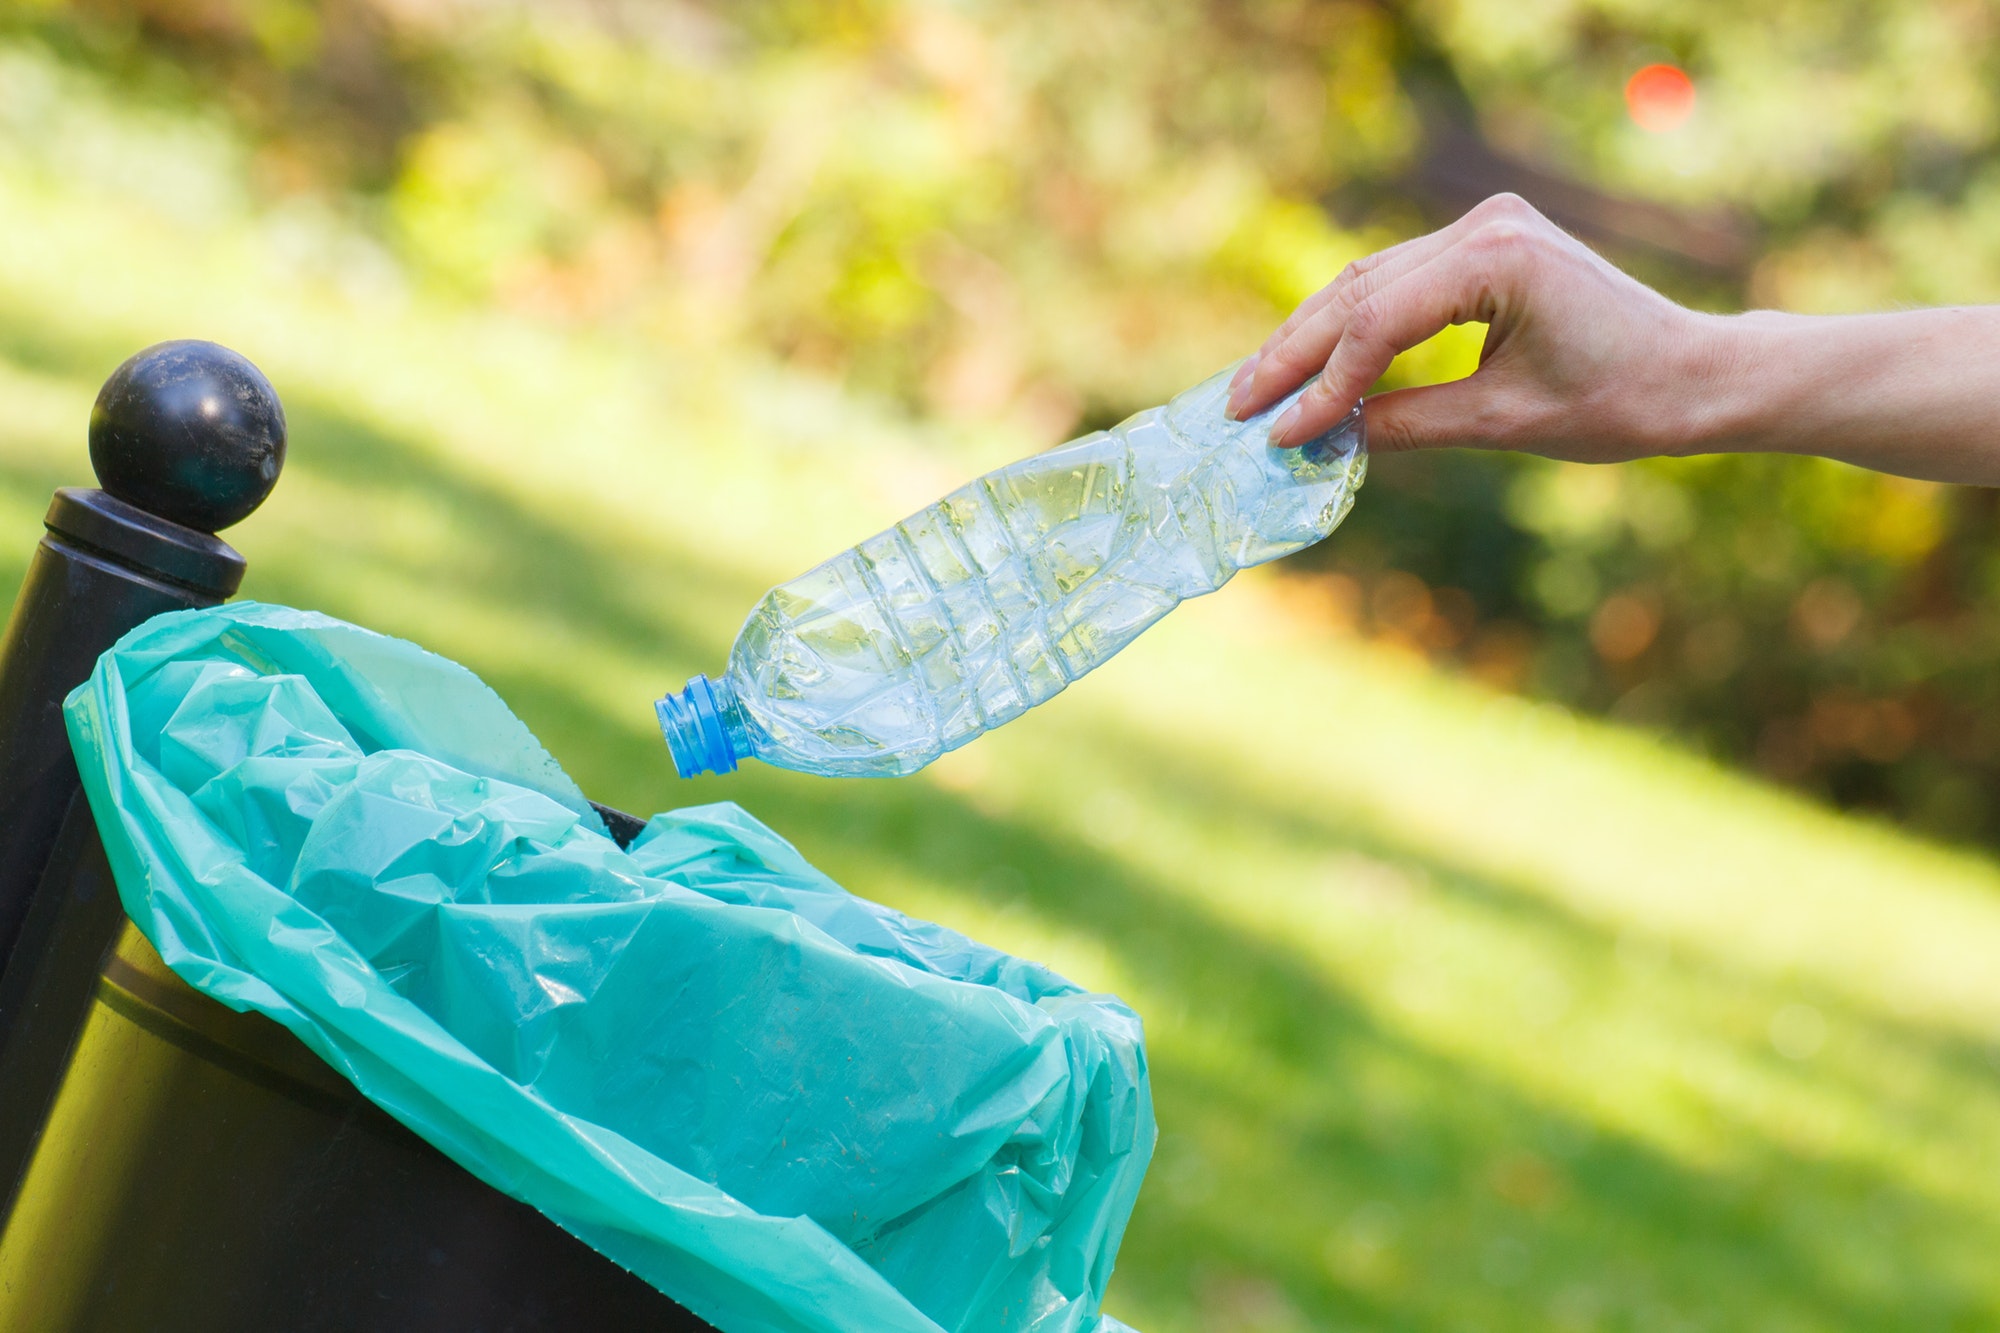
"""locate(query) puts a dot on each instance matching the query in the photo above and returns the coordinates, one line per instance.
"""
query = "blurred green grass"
(1465, 1014)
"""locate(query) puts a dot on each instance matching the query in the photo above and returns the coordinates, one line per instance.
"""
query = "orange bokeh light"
(1660, 98)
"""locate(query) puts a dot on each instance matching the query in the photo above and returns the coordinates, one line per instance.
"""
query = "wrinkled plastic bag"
(784, 1106)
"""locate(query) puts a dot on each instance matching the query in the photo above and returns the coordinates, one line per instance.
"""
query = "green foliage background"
(1043, 216)
(594, 319)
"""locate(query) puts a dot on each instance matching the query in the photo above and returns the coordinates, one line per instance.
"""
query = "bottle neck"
(701, 727)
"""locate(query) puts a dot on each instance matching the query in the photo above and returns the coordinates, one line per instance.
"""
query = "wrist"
(1736, 376)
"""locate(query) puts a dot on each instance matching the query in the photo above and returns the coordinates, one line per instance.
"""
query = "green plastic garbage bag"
(786, 1107)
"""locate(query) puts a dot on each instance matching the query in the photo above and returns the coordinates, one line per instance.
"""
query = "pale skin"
(1582, 362)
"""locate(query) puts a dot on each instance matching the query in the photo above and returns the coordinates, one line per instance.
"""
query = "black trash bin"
(165, 1162)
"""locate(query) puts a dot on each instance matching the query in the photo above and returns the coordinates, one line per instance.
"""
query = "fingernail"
(1282, 429)
(1246, 370)
(1241, 389)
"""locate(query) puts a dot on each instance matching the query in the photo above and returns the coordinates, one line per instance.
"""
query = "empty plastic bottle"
(977, 608)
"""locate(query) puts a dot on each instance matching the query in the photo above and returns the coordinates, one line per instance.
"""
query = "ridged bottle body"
(975, 609)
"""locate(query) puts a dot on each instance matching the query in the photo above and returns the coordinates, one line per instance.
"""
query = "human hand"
(1580, 362)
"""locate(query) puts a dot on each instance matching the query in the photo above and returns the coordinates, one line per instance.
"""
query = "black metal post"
(186, 438)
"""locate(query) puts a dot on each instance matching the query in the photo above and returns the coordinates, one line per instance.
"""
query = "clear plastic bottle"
(977, 608)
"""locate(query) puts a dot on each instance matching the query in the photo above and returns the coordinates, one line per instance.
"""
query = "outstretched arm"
(1585, 363)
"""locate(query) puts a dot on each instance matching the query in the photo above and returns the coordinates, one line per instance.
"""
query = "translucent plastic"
(790, 1109)
(972, 611)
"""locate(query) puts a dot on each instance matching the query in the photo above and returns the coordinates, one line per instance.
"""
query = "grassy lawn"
(1465, 1015)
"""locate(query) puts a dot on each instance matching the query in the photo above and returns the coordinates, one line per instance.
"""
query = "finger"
(1248, 395)
(1302, 343)
(1244, 371)
(1454, 288)
(1459, 414)
(1380, 266)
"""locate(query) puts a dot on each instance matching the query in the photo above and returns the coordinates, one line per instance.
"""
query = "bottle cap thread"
(696, 737)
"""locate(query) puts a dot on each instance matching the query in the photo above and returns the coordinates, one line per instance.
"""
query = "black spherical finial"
(189, 431)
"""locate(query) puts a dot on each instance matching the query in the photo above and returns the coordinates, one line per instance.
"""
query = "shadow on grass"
(1171, 778)
(506, 553)
(1556, 1205)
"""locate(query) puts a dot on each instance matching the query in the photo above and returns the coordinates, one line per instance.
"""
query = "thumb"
(1435, 416)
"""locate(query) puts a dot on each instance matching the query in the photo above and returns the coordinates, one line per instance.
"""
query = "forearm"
(1915, 393)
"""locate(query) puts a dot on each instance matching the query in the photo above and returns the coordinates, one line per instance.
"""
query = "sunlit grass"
(1464, 1014)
